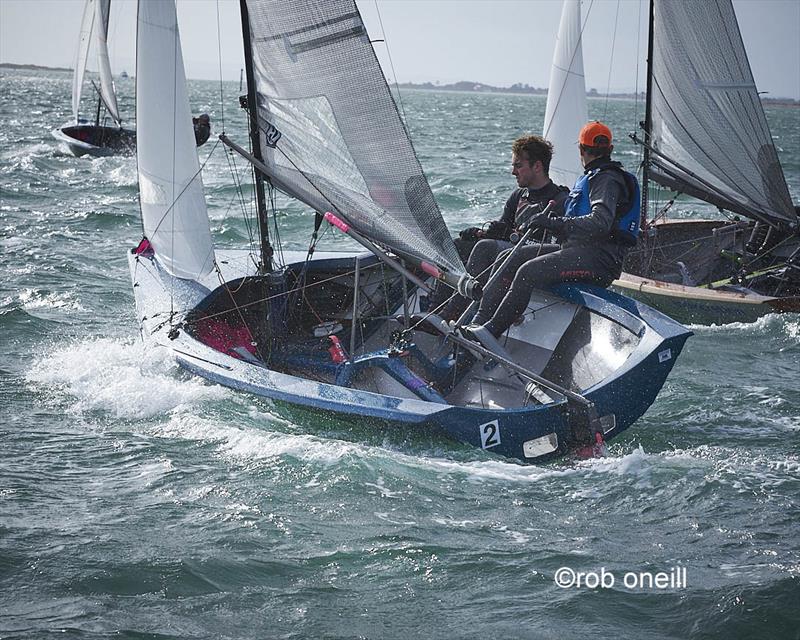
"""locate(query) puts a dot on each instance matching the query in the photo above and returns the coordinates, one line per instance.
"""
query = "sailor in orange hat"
(600, 224)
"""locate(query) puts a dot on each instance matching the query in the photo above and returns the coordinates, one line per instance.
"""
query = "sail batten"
(342, 141)
(170, 186)
(708, 124)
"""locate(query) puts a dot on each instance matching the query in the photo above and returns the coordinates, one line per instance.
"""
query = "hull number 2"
(490, 434)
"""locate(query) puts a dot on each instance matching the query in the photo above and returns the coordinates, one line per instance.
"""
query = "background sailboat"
(335, 332)
(97, 138)
(706, 135)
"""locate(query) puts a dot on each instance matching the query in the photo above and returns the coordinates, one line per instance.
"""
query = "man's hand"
(471, 233)
(539, 221)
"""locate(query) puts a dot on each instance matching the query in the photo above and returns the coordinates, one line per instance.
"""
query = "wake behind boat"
(345, 332)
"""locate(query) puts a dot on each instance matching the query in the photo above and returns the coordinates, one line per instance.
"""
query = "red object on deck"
(338, 354)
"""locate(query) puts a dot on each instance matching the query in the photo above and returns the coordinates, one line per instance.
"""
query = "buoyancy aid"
(626, 217)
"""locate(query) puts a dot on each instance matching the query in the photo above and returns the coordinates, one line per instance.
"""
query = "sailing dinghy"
(98, 138)
(706, 136)
(343, 332)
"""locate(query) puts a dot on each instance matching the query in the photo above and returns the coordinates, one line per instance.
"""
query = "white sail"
(566, 110)
(170, 187)
(83, 53)
(106, 79)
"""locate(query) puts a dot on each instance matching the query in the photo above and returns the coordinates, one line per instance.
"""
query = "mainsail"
(170, 187)
(709, 134)
(342, 146)
(106, 79)
(83, 53)
(566, 110)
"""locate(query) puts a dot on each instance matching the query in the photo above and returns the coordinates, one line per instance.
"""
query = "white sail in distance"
(170, 187)
(566, 110)
(82, 54)
(106, 79)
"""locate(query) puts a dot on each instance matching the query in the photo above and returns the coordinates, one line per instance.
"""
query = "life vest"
(627, 215)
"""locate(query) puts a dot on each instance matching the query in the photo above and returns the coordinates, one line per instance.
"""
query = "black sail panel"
(342, 144)
(708, 125)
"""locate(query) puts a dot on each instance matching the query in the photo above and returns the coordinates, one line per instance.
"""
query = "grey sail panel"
(342, 145)
(708, 126)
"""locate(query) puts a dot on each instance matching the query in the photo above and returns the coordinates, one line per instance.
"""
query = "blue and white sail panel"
(84, 39)
(170, 186)
(343, 146)
(106, 79)
(566, 110)
(709, 131)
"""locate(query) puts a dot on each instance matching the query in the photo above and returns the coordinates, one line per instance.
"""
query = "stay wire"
(611, 62)
(391, 64)
(219, 57)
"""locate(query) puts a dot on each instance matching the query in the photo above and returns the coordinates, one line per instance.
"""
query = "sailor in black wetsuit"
(530, 164)
(600, 224)
(202, 128)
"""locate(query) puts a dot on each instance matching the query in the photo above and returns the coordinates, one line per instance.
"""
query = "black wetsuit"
(588, 252)
(501, 229)
(523, 204)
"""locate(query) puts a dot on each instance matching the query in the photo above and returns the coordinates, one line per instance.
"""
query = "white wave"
(124, 175)
(770, 323)
(32, 299)
(120, 377)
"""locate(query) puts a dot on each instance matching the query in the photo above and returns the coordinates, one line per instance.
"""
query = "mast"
(648, 123)
(265, 264)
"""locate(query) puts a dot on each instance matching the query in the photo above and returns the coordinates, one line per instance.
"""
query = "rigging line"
(239, 193)
(391, 64)
(175, 201)
(230, 293)
(175, 57)
(636, 77)
(277, 231)
(292, 290)
(611, 62)
(726, 179)
(303, 173)
(569, 70)
(219, 56)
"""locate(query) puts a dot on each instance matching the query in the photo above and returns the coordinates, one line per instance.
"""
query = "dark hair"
(535, 148)
(600, 150)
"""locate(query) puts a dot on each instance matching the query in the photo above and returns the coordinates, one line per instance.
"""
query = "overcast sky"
(497, 42)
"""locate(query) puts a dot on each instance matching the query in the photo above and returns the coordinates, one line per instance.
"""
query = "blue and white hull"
(612, 350)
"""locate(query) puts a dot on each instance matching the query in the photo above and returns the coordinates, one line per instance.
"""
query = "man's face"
(523, 170)
(584, 160)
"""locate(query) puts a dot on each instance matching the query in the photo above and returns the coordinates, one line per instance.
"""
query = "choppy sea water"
(139, 502)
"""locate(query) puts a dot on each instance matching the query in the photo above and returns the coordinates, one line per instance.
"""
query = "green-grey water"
(139, 502)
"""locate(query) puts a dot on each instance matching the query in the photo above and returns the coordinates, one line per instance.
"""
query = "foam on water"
(31, 300)
(765, 325)
(119, 377)
(124, 175)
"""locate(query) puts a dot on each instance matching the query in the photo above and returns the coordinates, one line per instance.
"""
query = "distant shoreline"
(462, 86)
(31, 67)
(524, 89)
